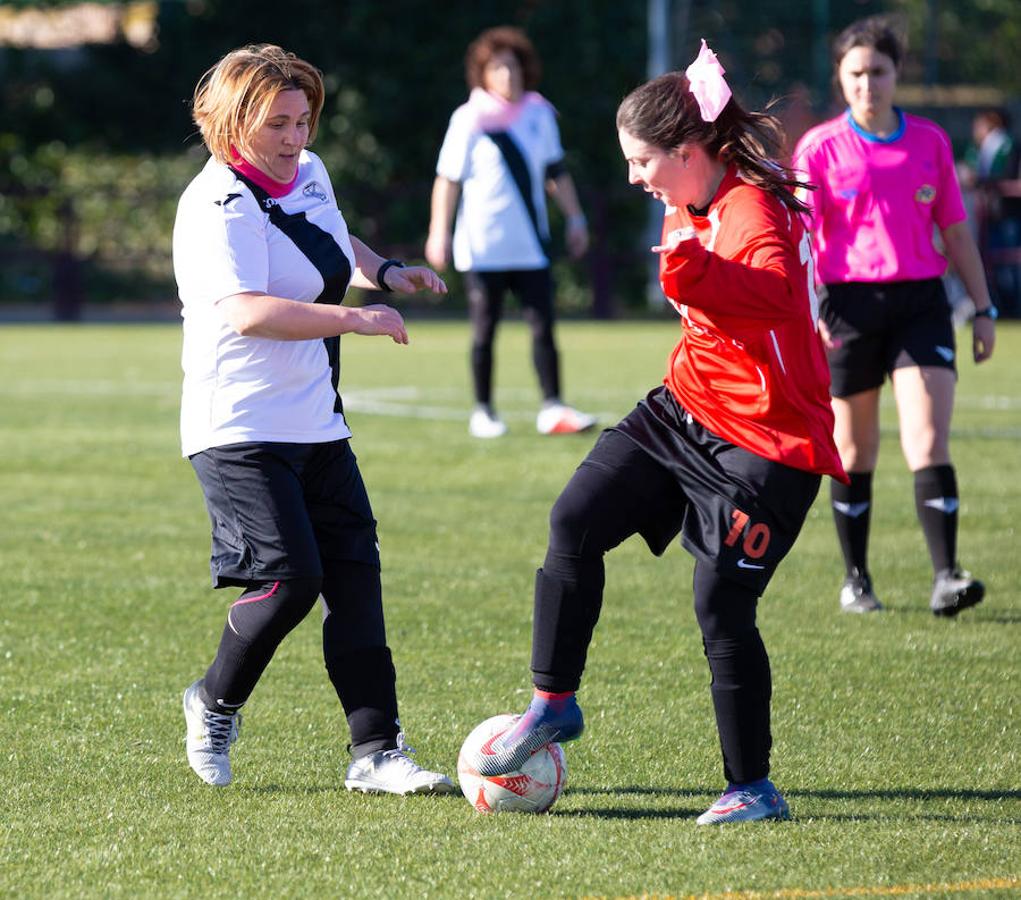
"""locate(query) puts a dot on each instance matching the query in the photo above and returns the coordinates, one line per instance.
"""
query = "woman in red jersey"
(728, 452)
(886, 184)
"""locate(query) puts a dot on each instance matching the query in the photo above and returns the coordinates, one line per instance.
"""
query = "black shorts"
(735, 511)
(884, 326)
(278, 510)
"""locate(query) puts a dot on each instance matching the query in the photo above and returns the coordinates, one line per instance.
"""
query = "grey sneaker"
(954, 590)
(394, 772)
(856, 595)
(209, 737)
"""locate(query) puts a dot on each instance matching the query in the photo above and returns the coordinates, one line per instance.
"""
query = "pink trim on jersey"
(270, 185)
(878, 202)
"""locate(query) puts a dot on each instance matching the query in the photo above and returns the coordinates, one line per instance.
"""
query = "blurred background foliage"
(96, 141)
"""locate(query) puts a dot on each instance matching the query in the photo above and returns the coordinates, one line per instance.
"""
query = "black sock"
(547, 367)
(365, 682)
(482, 373)
(852, 512)
(741, 689)
(568, 599)
(936, 503)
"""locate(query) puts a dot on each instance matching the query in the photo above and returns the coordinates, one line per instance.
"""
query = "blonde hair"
(233, 98)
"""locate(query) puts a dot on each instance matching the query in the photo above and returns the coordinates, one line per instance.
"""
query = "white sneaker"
(394, 772)
(562, 419)
(483, 425)
(209, 737)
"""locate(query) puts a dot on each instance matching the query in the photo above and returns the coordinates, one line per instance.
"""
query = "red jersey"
(750, 364)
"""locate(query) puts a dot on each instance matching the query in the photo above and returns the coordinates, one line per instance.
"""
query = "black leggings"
(534, 291)
(601, 506)
(354, 646)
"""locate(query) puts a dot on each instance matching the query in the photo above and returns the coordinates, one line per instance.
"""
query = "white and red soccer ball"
(533, 788)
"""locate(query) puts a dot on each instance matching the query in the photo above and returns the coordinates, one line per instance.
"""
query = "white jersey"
(251, 388)
(494, 230)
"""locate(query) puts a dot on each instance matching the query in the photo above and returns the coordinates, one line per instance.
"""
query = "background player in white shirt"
(500, 156)
(263, 258)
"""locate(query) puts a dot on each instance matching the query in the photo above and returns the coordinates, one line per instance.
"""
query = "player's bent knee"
(269, 610)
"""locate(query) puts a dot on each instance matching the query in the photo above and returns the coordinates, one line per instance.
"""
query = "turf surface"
(897, 738)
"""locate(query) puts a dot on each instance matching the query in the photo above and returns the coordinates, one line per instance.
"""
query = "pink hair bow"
(705, 76)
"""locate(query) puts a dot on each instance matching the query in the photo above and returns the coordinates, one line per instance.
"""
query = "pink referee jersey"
(878, 199)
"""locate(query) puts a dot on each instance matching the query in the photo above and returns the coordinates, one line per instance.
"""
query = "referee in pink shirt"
(886, 182)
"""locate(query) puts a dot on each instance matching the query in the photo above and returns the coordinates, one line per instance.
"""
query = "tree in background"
(97, 140)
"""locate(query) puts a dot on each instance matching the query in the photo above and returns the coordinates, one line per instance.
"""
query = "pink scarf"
(493, 113)
(270, 185)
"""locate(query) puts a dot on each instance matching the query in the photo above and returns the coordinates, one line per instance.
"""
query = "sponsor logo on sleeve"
(312, 189)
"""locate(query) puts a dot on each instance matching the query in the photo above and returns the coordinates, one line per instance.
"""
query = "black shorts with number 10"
(736, 511)
(884, 326)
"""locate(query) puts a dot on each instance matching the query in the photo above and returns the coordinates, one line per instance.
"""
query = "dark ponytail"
(664, 113)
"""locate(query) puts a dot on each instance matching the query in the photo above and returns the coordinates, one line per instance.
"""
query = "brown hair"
(664, 113)
(496, 40)
(875, 32)
(233, 97)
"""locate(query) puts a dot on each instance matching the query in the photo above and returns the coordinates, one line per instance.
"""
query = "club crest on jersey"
(312, 189)
(925, 194)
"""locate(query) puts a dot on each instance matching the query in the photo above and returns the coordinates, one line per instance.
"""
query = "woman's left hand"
(410, 279)
(983, 337)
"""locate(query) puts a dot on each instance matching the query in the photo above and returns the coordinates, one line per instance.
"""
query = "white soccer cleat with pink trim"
(558, 418)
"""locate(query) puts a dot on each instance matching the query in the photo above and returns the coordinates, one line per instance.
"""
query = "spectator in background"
(993, 157)
(500, 157)
(993, 153)
(885, 181)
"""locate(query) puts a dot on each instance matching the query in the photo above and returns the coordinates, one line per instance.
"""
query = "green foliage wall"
(97, 142)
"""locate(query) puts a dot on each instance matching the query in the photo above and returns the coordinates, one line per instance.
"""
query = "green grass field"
(897, 738)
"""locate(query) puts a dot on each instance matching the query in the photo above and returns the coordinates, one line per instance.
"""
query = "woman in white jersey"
(886, 181)
(263, 257)
(500, 156)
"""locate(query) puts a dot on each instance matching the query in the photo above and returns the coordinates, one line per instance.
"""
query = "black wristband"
(990, 312)
(388, 264)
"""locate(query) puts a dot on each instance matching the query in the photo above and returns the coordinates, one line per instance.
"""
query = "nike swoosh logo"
(946, 505)
(487, 748)
(742, 563)
(851, 509)
(946, 352)
(226, 200)
(729, 809)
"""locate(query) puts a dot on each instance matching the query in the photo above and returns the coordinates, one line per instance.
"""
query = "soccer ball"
(534, 788)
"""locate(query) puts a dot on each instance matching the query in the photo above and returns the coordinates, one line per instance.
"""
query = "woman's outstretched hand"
(411, 279)
(379, 319)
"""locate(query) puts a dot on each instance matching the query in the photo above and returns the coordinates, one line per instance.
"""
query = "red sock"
(554, 700)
